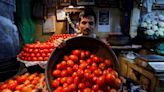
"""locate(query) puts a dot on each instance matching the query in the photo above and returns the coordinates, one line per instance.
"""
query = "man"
(86, 25)
(87, 22)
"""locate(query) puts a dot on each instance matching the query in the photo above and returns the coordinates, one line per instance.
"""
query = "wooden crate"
(138, 74)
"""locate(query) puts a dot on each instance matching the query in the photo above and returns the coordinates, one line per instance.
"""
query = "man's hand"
(59, 42)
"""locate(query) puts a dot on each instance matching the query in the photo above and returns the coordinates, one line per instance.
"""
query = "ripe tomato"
(19, 87)
(12, 84)
(117, 83)
(72, 87)
(73, 58)
(64, 73)
(107, 62)
(95, 87)
(76, 52)
(55, 83)
(87, 90)
(81, 86)
(70, 63)
(56, 73)
(110, 79)
(6, 90)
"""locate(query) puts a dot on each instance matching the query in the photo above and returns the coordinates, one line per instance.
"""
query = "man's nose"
(87, 25)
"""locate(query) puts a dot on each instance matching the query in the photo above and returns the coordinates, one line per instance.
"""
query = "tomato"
(35, 50)
(3, 86)
(38, 54)
(89, 62)
(40, 59)
(66, 57)
(102, 66)
(113, 90)
(101, 81)
(64, 73)
(21, 79)
(70, 63)
(63, 80)
(87, 53)
(69, 80)
(87, 90)
(75, 67)
(73, 58)
(69, 70)
(81, 86)
(83, 66)
(72, 87)
(12, 84)
(34, 58)
(88, 75)
(76, 80)
(56, 73)
(32, 55)
(55, 83)
(95, 87)
(82, 55)
(107, 62)
(114, 73)
(76, 52)
(43, 54)
(19, 87)
(110, 79)
(117, 83)
(6, 90)
(95, 59)
(46, 58)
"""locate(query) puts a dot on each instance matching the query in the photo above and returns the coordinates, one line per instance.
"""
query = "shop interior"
(130, 60)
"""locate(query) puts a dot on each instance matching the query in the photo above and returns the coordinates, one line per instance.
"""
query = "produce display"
(83, 71)
(153, 26)
(28, 82)
(36, 51)
(41, 51)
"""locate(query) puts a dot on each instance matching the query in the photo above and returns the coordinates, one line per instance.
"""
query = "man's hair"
(86, 13)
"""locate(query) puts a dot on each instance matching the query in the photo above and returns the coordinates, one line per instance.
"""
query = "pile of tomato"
(36, 51)
(28, 82)
(83, 71)
(57, 36)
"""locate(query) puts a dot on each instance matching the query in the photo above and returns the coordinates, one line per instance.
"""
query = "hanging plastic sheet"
(25, 24)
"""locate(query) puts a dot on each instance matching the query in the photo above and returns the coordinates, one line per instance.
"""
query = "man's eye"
(90, 23)
(84, 22)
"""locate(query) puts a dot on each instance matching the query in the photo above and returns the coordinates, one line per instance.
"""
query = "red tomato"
(19, 87)
(69, 70)
(107, 62)
(76, 52)
(70, 63)
(55, 83)
(73, 58)
(110, 79)
(72, 87)
(3, 86)
(87, 53)
(12, 84)
(95, 87)
(40, 59)
(64, 73)
(87, 90)
(6, 90)
(81, 86)
(117, 83)
(56, 73)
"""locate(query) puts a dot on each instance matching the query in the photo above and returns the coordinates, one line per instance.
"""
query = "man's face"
(87, 25)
